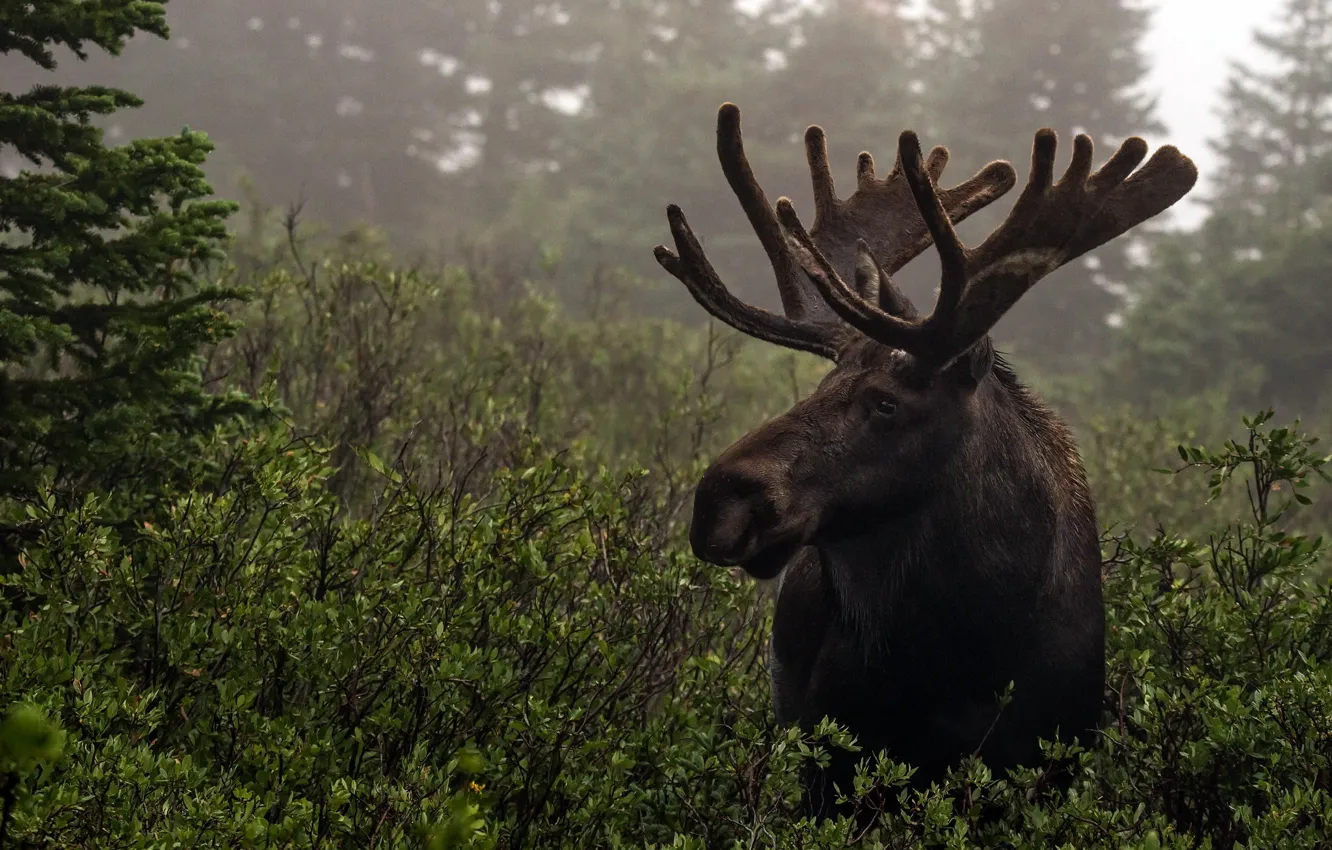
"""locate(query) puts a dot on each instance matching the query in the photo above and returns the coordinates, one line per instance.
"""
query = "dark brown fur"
(943, 556)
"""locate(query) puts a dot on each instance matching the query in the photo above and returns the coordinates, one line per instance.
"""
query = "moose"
(928, 519)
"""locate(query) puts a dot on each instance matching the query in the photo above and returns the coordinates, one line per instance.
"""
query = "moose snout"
(735, 505)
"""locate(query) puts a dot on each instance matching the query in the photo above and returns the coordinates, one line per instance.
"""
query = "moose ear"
(971, 367)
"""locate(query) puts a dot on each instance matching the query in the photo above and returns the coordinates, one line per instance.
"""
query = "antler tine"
(897, 325)
(691, 267)
(857, 311)
(820, 173)
(882, 218)
(1054, 223)
(952, 255)
(884, 213)
(797, 301)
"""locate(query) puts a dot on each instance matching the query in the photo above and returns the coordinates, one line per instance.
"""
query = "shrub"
(455, 369)
(256, 669)
(538, 667)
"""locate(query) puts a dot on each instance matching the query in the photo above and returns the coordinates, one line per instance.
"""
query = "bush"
(455, 369)
(256, 669)
(538, 667)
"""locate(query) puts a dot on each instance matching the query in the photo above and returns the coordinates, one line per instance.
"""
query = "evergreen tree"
(440, 116)
(1276, 144)
(102, 309)
(994, 72)
(319, 101)
(1244, 302)
(644, 135)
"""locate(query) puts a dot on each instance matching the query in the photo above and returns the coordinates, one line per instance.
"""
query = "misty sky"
(1190, 46)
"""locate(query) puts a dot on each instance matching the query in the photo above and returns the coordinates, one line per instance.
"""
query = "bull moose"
(928, 518)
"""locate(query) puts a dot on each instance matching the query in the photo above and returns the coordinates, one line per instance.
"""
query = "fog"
(1190, 47)
(549, 138)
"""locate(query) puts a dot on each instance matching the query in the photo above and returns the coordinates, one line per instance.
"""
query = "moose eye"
(885, 408)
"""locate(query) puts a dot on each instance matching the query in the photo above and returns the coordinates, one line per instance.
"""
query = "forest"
(350, 428)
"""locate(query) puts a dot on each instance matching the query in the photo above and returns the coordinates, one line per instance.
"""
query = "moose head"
(906, 390)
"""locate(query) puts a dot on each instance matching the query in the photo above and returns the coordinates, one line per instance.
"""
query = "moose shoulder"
(928, 517)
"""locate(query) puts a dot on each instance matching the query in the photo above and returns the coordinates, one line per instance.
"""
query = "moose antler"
(1050, 225)
(883, 214)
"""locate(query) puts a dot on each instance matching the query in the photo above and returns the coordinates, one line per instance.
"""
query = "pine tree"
(996, 71)
(1276, 144)
(1246, 296)
(102, 250)
(653, 75)
(354, 111)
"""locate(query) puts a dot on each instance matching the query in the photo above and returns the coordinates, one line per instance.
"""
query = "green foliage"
(101, 313)
(33, 28)
(452, 371)
(29, 742)
(445, 600)
(28, 739)
(1222, 648)
(255, 667)
(465, 616)
(531, 660)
